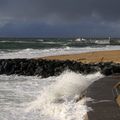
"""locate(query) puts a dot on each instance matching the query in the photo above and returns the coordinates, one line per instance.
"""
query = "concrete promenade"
(104, 106)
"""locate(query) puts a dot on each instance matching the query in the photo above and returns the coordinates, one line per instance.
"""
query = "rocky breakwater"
(46, 68)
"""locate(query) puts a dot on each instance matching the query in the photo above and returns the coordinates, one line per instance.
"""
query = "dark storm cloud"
(59, 17)
(68, 10)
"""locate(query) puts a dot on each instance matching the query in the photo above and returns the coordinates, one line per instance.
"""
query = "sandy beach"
(90, 57)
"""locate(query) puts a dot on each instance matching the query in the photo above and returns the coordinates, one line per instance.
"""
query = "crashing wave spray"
(58, 100)
(71, 84)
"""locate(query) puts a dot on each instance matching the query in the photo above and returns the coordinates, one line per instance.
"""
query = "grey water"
(40, 47)
(42, 43)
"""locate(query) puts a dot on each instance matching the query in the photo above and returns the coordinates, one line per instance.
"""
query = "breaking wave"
(31, 53)
(58, 100)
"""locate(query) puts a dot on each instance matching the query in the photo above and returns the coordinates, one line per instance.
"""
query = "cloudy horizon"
(59, 18)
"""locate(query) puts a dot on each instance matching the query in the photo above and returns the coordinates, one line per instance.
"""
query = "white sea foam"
(17, 41)
(58, 100)
(53, 98)
(31, 53)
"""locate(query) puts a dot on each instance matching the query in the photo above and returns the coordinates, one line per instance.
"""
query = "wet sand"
(90, 57)
(104, 106)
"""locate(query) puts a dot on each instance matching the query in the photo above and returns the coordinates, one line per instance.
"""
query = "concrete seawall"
(104, 105)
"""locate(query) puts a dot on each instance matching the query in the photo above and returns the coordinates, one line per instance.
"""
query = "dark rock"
(107, 70)
(116, 68)
(46, 68)
(38, 71)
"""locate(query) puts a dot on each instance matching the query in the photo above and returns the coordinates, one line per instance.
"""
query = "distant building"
(101, 41)
(81, 40)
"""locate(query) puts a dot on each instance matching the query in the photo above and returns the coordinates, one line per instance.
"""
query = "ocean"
(36, 47)
(52, 98)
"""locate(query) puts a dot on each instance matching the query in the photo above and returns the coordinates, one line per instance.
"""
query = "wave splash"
(57, 101)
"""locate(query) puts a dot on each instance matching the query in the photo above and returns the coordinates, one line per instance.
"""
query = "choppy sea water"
(30, 48)
(53, 98)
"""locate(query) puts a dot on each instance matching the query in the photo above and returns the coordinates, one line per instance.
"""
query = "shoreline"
(89, 57)
(55, 65)
(106, 62)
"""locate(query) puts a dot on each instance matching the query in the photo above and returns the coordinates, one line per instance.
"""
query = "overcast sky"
(51, 18)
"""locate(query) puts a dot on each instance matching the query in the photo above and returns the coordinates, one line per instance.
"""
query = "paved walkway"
(104, 107)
